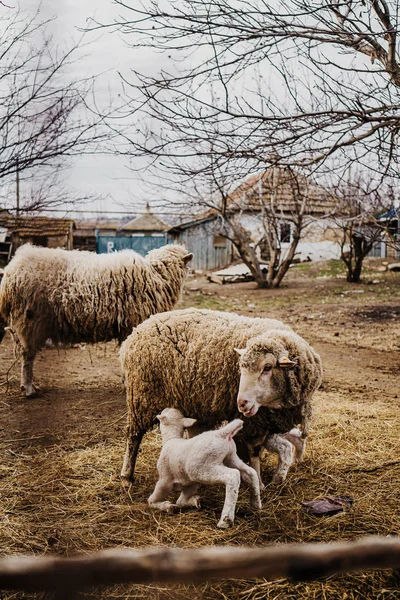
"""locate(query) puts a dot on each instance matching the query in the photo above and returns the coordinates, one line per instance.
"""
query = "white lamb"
(209, 458)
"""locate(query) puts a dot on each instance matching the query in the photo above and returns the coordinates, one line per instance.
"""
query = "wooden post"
(299, 562)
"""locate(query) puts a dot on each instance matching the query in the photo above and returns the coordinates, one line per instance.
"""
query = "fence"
(298, 562)
(140, 243)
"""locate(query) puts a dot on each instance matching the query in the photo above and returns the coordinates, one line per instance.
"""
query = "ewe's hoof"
(126, 482)
(173, 509)
(278, 479)
(29, 394)
(225, 523)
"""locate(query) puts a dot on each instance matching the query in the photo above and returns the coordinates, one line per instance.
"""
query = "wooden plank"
(299, 562)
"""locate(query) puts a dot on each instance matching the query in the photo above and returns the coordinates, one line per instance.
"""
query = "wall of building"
(210, 250)
(320, 240)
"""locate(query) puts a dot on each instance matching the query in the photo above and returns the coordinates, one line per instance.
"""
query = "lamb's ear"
(187, 422)
(160, 417)
(187, 258)
(240, 351)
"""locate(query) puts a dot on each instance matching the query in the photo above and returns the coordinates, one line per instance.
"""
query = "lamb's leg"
(231, 479)
(189, 496)
(28, 357)
(249, 477)
(284, 449)
(295, 437)
(133, 441)
(158, 498)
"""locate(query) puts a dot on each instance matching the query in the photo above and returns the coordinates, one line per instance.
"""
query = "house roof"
(34, 226)
(92, 224)
(146, 222)
(392, 213)
(283, 184)
(204, 218)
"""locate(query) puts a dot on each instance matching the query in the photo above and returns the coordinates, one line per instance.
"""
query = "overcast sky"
(106, 54)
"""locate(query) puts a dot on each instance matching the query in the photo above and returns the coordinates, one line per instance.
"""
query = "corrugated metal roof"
(36, 226)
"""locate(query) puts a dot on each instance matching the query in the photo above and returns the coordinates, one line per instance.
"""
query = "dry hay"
(67, 500)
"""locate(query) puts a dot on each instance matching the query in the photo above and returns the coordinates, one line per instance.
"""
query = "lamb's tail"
(231, 429)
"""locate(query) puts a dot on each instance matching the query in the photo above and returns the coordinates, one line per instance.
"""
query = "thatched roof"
(285, 186)
(28, 226)
(146, 222)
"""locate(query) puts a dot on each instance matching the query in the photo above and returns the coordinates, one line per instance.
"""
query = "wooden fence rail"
(299, 562)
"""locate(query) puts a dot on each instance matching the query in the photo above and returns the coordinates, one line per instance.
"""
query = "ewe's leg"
(133, 441)
(255, 464)
(231, 479)
(189, 496)
(249, 476)
(284, 449)
(28, 357)
(196, 429)
(158, 498)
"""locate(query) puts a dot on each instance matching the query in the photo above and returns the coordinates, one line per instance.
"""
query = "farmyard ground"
(61, 453)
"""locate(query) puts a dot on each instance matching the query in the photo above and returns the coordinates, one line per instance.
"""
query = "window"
(285, 233)
(219, 241)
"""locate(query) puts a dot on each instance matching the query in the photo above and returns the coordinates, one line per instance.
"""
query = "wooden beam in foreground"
(299, 562)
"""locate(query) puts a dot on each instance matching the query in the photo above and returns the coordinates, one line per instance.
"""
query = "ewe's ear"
(285, 362)
(160, 417)
(187, 422)
(187, 258)
(240, 351)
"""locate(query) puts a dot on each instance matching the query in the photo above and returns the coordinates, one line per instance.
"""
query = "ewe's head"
(172, 420)
(269, 372)
(170, 253)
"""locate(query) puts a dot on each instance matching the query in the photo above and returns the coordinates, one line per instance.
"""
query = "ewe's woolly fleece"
(186, 359)
(73, 296)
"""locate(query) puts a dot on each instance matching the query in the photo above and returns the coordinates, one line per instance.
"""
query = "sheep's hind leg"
(158, 499)
(249, 477)
(28, 358)
(188, 497)
(231, 479)
(132, 448)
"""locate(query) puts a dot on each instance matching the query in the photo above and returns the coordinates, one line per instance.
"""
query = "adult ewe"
(73, 296)
(186, 359)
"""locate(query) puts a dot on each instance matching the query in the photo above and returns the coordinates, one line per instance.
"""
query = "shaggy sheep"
(73, 296)
(209, 458)
(186, 359)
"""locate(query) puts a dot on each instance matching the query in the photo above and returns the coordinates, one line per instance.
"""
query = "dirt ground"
(61, 452)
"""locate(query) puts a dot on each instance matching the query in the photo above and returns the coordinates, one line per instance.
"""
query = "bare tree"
(317, 82)
(357, 220)
(264, 217)
(45, 117)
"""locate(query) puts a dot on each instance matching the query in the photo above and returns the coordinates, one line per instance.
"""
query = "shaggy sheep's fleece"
(73, 296)
(186, 359)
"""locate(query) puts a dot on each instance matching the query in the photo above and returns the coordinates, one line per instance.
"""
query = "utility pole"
(17, 188)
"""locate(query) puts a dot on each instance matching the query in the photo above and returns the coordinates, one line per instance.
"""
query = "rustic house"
(389, 244)
(286, 190)
(142, 234)
(40, 231)
(202, 237)
(88, 230)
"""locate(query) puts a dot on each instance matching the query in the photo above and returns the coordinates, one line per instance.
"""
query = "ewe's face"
(262, 383)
